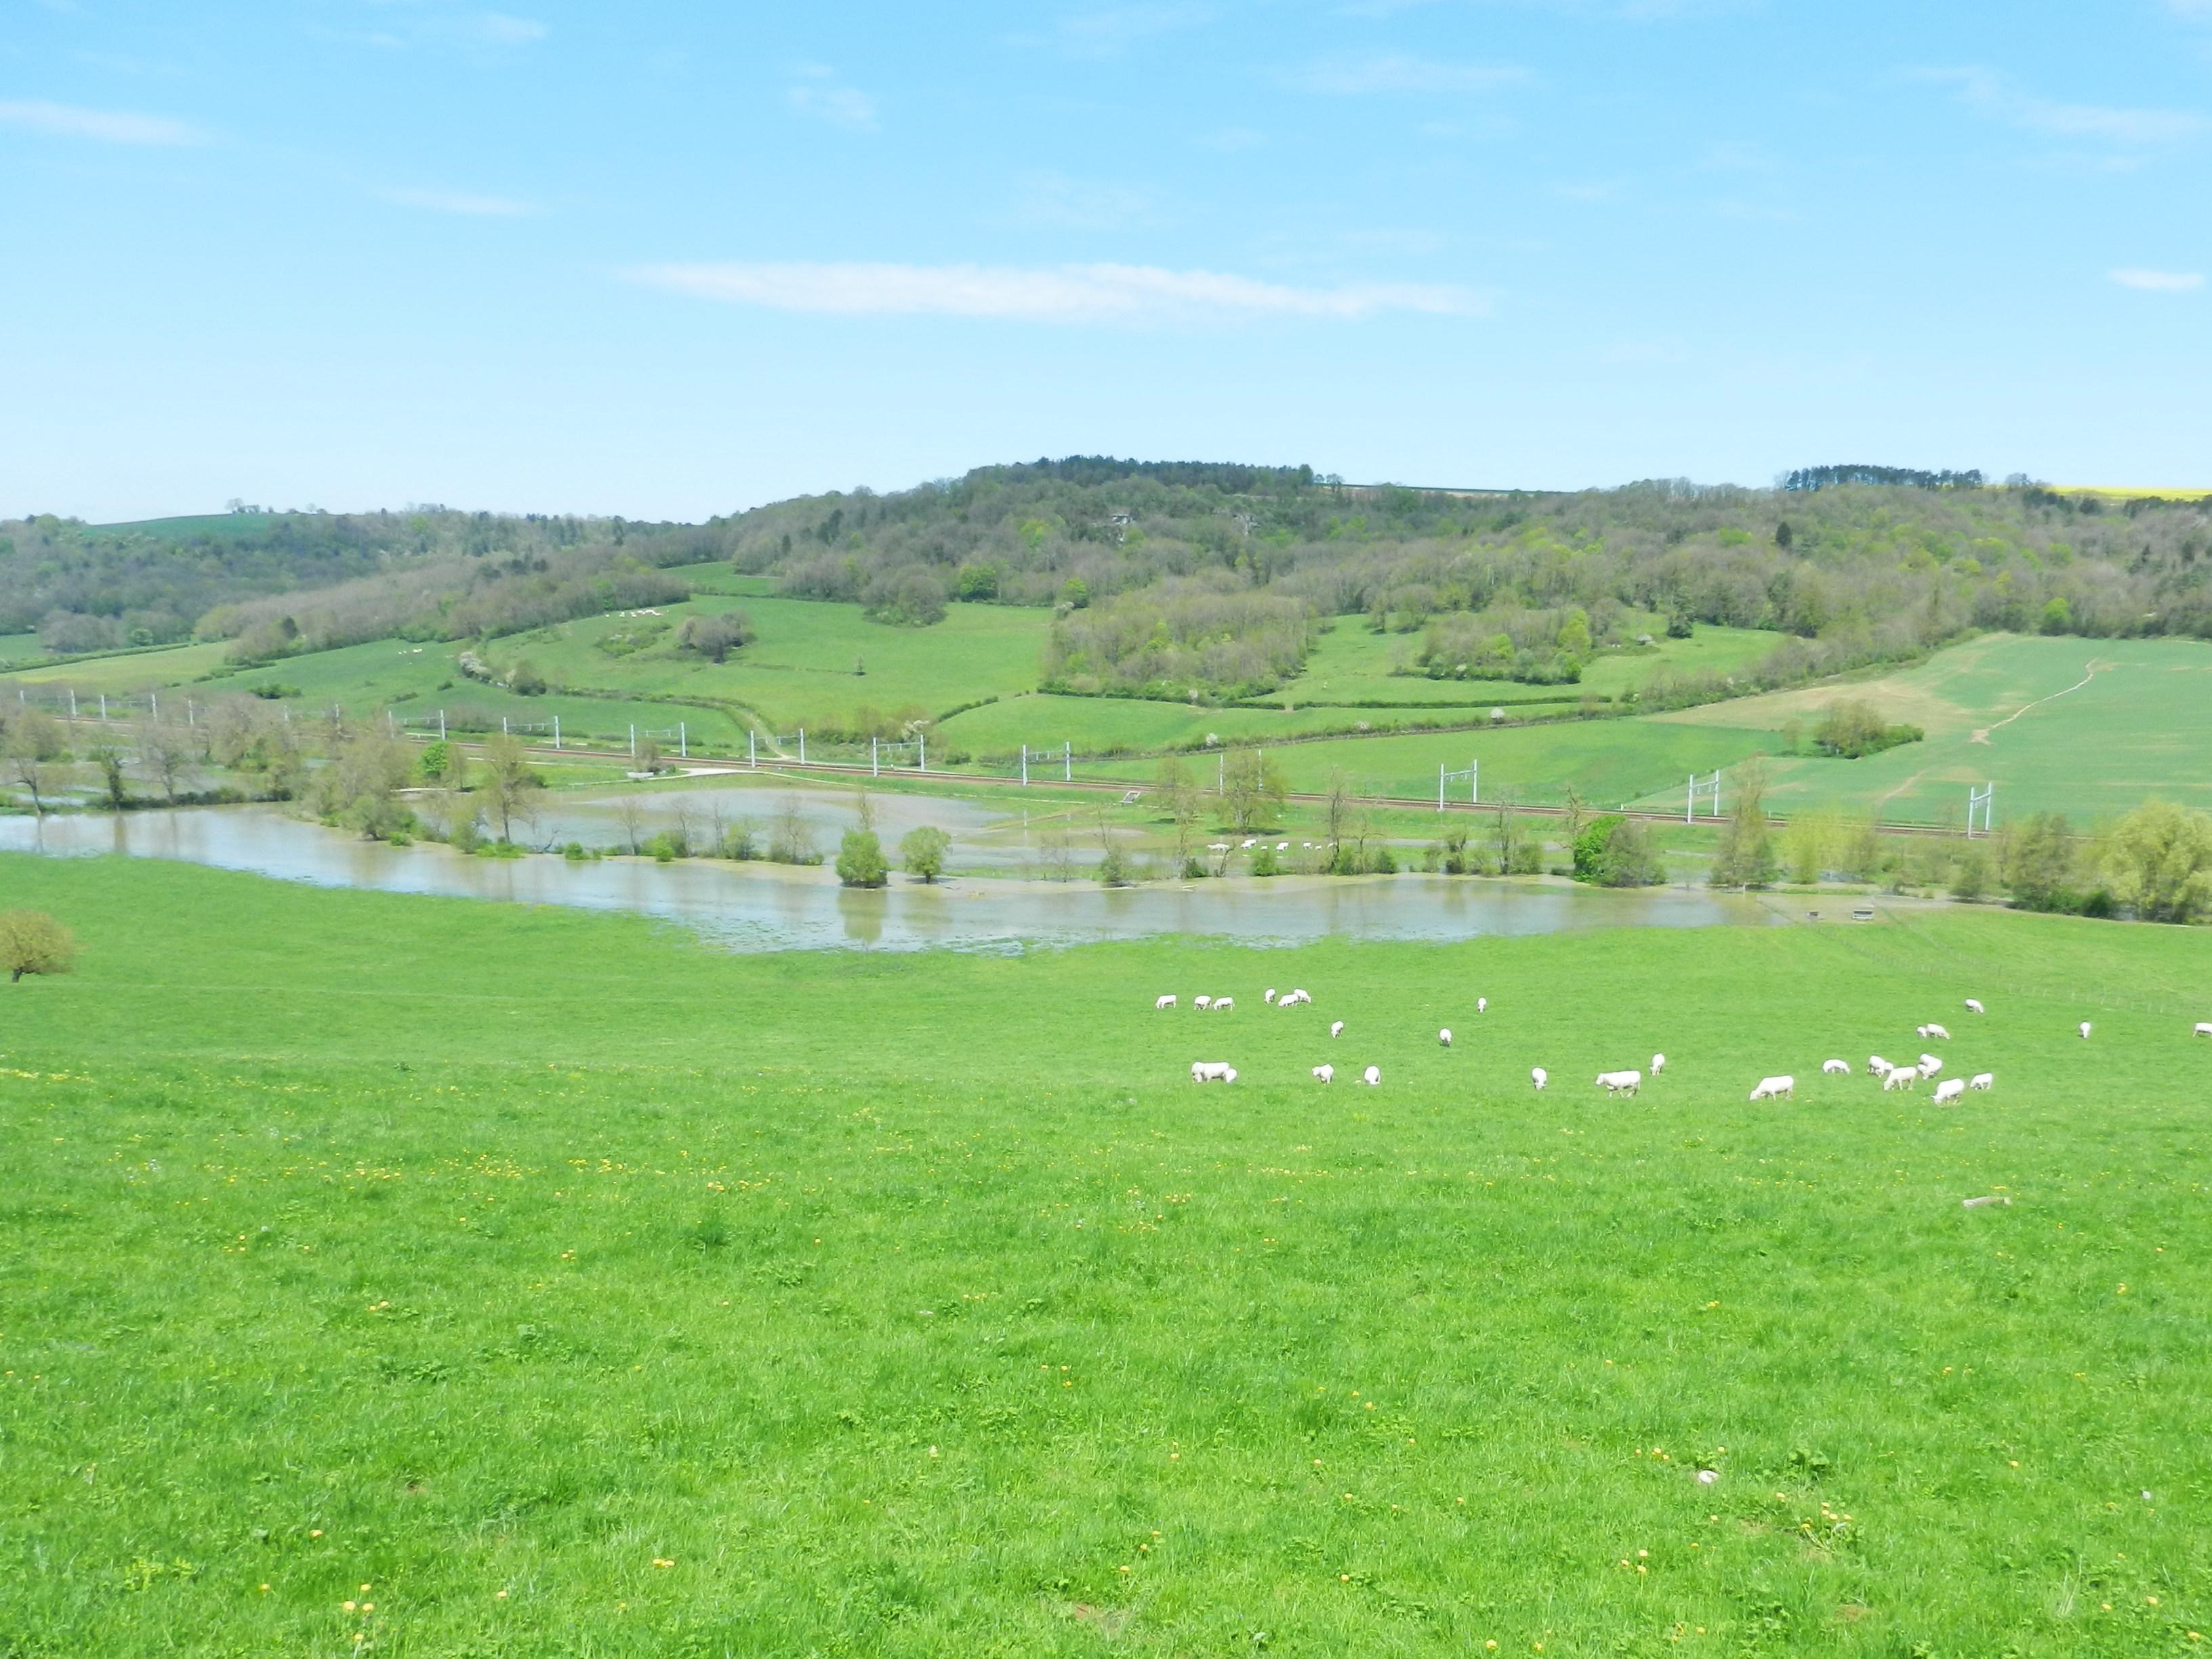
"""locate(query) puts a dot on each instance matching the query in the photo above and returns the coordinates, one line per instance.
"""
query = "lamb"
(1222, 1005)
(1981, 1080)
(1539, 1077)
(1325, 1073)
(1213, 1071)
(1619, 1082)
(1658, 1064)
(2085, 1030)
(2204, 1028)
(1444, 1036)
(1336, 1028)
(1228, 1074)
(1974, 1005)
(1834, 1068)
(1482, 1005)
(1928, 1031)
(1929, 1065)
(1372, 1076)
(1201, 1003)
(1877, 1067)
(1301, 995)
(1163, 1002)
(1949, 1090)
(1775, 1088)
(1900, 1077)
(1270, 997)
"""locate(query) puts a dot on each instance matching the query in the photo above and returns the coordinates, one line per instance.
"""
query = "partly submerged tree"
(860, 860)
(1745, 857)
(922, 851)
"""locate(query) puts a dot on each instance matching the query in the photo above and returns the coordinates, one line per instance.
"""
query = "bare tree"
(631, 811)
(165, 750)
(509, 782)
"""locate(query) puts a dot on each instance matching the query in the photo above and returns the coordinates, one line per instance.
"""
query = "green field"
(128, 671)
(2142, 727)
(576, 1289)
(1351, 662)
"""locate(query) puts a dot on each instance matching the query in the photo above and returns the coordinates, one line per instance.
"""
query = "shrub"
(860, 860)
(714, 637)
(1613, 851)
(1852, 730)
(1263, 860)
(33, 942)
(922, 851)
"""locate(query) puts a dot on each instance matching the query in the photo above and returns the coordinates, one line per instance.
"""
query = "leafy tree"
(33, 742)
(977, 582)
(922, 850)
(715, 636)
(1253, 789)
(508, 781)
(860, 860)
(361, 785)
(1616, 851)
(2039, 862)
(1970, 873)
(1746, 856)
(2159, 859)
(108, 756)
(33, 942)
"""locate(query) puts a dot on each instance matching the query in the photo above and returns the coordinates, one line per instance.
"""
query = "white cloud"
(109, 126)
(1987, 93)
(462, 202)
(2160, 281)
(501, 29)
(1057, 294)
(1384, 72)
(815, 92)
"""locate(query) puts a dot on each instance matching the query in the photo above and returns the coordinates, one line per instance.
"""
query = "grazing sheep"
(1949, 1090)
(1301, 995)
(1929, 1065)
(1163, 1002)
(1775, 1088)
(1228, 1074)
(1928, 1031)
(1444, 1036)
(1658, 1064)
(1877, 1067)
(1222, 1005)
(1270, 997)
(2204, 1028)
(1482, 1005)
(1974, 1005)
(1372, 1076)
(1325, 1073)
(1539, 1077)
(1619, 1082)
(2085, 1030)
(1211, 1070)
(1901, 1077)
(1336, 1028)
(1981, 1079)
(1201, 1003)
(1834, 1068)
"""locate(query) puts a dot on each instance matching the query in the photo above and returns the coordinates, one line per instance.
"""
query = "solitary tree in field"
(2159, 859)
(860, 860)
(1255, 788)
(33, 942)
(1746, 857)
(922, 851)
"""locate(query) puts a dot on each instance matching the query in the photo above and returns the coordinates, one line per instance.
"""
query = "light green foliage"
(922, 849)
(484, 1257)
(1745, 857)
(2159, 859)
(33, 942)
(860, 860)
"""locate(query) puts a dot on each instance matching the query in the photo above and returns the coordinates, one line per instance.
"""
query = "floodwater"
(762, 907)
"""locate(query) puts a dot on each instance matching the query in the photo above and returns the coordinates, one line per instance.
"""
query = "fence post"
(875, 761)
(1025, 766)
(1067, 762)
(682, 742)
(502, 727)
(190, 717)
(103, 705)
(72, 703)
(802, 745)
(155, 698)
(632, 739)
(921, 740)
(752, 750)
(556, 732)
(441, 726)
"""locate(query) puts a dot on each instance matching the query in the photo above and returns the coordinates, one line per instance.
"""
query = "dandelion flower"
(499, 1596)
(348, 1606)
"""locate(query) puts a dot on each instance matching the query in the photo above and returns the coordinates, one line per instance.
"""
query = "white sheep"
(1877, 1067)
(1658, 1064)
(1900, 1077)
(1974, 1005)
(1228, 1074)
(1222, 1005)
(1201, 1003)
(1207, 1071)
(1775, 1088)
(1482, 1005)
(1929, 1065)
(1270, 997)
(1539, 1077)
(1949, 1090)
(1981, 1080)
(1372, 1076)
(1163, 1002)
(1325, 1073)
(1834, 1068)
(2085, 1030)
(1444, 1036)
(1336, 1028)
(1301, 995)
(1619, 1082)
(1937, 1031)
(2204, 1028)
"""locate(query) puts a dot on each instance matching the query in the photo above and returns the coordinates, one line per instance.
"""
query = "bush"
(1264, 862)
(922, 851)
(1853, 730)
(860, 860)
(714, 637)
(33, 942)
(1613, 851)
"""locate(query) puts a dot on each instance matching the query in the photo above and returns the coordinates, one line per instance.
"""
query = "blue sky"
(669, 259)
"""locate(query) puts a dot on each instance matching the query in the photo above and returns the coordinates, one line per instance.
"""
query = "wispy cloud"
(1052, 198)
(1113, 30)
(461, 202)
(1402, 72)
(503, 30)
(816, 91)
(1987, 93)
(109, 126)
(2160, 281)
(1057, 294)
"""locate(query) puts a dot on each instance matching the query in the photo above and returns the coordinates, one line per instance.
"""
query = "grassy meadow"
(384, 1275)
(2012, 709)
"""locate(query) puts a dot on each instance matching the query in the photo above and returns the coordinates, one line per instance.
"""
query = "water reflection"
(759, 907)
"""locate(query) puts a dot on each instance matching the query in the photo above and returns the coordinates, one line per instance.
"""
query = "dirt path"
(1983, 735)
